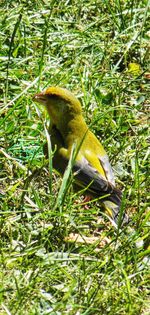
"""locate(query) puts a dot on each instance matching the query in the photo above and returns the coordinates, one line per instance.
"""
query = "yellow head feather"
(64, 94)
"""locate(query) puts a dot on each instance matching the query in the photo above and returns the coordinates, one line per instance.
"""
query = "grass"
(67, 259)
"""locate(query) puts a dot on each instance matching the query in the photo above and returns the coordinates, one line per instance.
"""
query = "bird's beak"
(40, 98)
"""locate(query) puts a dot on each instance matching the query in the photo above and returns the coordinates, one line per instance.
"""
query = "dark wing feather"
(96, 184)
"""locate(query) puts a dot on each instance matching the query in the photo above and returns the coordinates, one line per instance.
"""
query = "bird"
(91, 168)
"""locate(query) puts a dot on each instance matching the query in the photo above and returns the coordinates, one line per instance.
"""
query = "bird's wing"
(97, 185)
(84, 173)
(107, 168)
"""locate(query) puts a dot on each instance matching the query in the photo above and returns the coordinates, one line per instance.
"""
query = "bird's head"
(59, 103)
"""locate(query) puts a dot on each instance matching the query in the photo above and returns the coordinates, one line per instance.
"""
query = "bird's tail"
(115, 214)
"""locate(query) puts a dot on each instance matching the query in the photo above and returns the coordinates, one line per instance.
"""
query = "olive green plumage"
(68, 127)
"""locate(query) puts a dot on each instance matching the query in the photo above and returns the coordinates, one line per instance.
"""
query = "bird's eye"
(52, 96)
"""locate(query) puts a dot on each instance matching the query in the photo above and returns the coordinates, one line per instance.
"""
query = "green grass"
(87, 47)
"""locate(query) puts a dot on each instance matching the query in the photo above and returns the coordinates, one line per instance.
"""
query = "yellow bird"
(92, 168)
